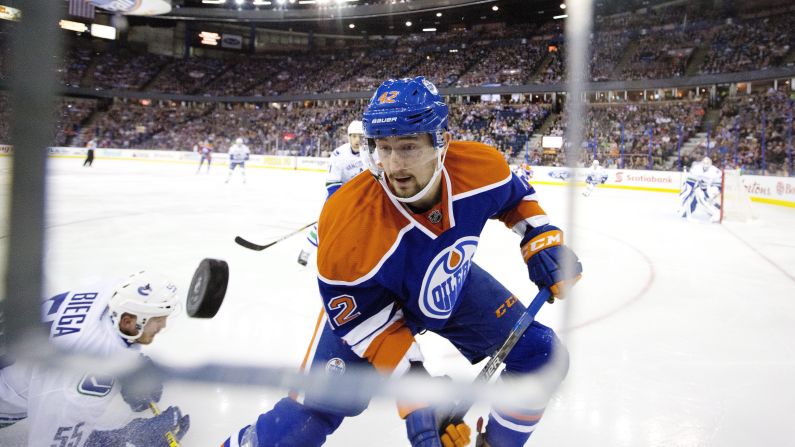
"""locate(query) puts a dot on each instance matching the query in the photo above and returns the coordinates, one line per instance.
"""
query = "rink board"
(770, 190)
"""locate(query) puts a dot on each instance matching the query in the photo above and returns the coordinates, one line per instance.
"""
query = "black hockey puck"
(207, 288)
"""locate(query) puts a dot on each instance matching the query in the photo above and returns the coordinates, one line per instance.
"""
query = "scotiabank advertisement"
(774, 190)
(664, 181)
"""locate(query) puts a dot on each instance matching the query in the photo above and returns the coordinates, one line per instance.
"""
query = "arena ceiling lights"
(370, 18)
(278, 2)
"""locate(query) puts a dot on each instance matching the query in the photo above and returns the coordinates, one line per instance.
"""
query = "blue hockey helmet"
(406, 107)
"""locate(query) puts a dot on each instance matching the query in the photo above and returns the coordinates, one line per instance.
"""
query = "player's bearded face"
(153, 326)
(408, 161)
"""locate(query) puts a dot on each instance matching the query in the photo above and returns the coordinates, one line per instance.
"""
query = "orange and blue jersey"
(385, 272)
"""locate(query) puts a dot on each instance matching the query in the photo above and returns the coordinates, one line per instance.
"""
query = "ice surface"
(680, 333)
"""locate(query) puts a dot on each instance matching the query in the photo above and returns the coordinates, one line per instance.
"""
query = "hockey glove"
(422, 429)
(545, 255)
(142, 432)
(142, 386)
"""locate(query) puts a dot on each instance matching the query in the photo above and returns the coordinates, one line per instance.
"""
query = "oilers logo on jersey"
(444, 278)
(335, 366)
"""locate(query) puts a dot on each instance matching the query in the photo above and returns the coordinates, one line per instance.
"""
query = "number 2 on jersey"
(346, 306)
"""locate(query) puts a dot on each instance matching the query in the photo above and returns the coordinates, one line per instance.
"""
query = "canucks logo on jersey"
(445, 276)
(95, 385)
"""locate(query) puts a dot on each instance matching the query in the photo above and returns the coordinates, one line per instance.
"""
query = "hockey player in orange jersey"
(395, 257)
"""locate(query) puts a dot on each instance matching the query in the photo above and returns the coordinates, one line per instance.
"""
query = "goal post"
(735, 204)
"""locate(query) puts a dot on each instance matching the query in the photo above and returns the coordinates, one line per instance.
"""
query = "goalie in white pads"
(701, 189)
(346, 163)
(67, 407)
(596, 176)
(238, 155)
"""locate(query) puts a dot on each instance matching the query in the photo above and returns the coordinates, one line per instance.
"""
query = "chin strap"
(424, 191)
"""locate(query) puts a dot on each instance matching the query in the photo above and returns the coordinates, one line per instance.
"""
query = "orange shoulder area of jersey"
(357, 227)
(474, 165)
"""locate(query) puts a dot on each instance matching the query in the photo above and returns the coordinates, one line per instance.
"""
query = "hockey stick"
(461, 408)
(256, 247)
(172, 440)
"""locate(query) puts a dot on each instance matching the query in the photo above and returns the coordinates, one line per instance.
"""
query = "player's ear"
(127, 323)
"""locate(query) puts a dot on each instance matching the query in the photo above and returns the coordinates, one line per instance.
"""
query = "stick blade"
(250, 245)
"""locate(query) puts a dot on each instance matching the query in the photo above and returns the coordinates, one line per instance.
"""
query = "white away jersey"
(344, 165)
(238, 153)
(66, 404)
(596, 175)
(711, 177)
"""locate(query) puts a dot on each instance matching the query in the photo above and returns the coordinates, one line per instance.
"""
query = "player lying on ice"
(66, 407)
(395, 258)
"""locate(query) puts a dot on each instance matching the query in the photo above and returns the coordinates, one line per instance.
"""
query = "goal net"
(735, 203)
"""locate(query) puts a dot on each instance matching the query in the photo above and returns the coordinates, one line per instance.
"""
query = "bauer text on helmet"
(406, 123)
(147, 297)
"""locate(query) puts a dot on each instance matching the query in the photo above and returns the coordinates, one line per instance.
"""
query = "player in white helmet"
(701, 189)
(596, 176)
(239, 153)
(346, 163)
(104, 321)
(524, 171)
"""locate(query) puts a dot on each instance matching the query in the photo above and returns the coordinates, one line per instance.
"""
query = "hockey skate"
(303, 257)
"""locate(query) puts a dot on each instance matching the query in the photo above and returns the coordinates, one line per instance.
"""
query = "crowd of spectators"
(506, 126)
(76, 61)
(628, 135)
(242, 76)
(662, 54)
(656, 44)
(294, 128)
(73, 113)
(135, 124)
(69, 117)
(124, 70)
(737, 140)
(517, 61)
(619, 135)
(187, 76)
(607, 50)
(750, 44)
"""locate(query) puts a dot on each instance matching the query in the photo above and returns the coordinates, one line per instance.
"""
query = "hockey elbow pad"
(546, 256)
